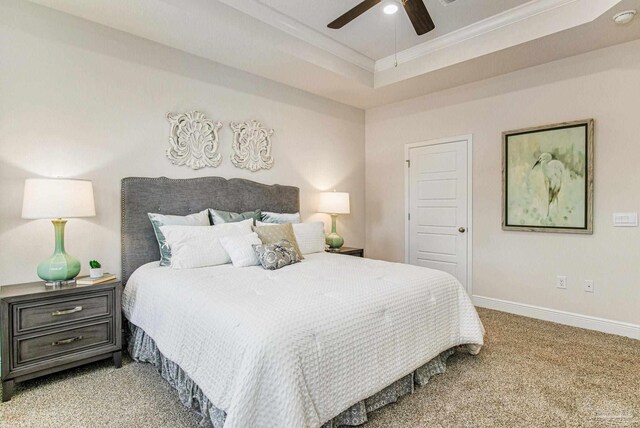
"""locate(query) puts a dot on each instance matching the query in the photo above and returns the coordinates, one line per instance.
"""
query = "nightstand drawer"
(48, 313)
(35, 348)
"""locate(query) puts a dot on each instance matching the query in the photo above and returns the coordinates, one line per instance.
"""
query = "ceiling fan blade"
(353, 13)
(419, 16)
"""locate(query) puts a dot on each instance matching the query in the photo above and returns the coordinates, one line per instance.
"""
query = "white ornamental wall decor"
(194, 140)
(251, 145)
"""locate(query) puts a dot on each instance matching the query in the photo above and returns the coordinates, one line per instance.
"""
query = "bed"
(318, 343)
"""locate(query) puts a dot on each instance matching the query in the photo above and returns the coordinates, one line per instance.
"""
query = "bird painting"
(553, 170)
(548, 177)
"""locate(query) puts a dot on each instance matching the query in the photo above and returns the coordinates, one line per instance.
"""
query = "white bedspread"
(296, 346)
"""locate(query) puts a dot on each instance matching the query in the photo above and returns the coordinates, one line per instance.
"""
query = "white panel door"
(438, 207)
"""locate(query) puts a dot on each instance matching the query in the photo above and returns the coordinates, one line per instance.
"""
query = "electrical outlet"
(561, 282)
(589, 286)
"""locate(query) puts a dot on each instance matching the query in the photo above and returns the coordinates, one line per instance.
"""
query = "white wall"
(81, 100)
(520, 266)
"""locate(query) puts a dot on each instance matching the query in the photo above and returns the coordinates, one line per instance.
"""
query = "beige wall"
(519, 266)
(80, 100)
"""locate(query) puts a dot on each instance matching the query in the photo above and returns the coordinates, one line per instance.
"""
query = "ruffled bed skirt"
(143, 348)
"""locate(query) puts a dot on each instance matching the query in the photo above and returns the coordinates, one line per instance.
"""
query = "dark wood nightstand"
(349, 251)
(48, 329)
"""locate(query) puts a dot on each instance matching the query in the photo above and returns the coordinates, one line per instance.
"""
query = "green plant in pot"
(96, 269)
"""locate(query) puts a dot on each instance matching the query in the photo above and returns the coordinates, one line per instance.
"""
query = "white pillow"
(240, 249)
(199, 246)
(157, 220)
(310, 237)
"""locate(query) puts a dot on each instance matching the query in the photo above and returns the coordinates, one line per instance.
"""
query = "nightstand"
(349, 251)
(48, 329)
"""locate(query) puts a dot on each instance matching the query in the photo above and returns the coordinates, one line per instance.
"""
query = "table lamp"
(334, 203)
(57, 199)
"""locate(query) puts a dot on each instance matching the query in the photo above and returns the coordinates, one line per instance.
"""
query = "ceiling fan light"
(390, 8)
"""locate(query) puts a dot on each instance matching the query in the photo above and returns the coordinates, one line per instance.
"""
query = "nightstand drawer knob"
(66, 311)
(66, 341)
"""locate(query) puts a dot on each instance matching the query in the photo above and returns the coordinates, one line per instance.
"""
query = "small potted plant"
(96, 269)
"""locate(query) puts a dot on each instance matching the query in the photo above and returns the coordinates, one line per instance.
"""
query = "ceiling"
(286, 40)
(372, 33)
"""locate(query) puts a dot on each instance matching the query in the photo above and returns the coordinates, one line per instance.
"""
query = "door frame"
(468, 138)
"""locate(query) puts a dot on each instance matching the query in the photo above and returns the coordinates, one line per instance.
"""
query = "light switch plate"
(625, 219)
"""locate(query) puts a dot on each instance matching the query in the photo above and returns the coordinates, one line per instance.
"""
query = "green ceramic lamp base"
(60, 266)
(333, 240)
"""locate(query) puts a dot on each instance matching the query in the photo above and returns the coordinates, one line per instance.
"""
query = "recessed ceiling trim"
(214, 33)
(503, 19)
(567, 14)
(270, 16)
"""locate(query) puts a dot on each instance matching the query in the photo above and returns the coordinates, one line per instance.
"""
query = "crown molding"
(264, 13)
(503, 19)
(272, 17)
(243, 49)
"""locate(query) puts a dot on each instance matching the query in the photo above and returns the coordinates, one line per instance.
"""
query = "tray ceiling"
(372, 33)
(257, 37)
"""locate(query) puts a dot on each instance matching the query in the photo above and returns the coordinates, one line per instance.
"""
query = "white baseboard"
(560, 317)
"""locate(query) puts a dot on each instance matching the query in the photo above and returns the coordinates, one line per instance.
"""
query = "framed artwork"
(547, 178)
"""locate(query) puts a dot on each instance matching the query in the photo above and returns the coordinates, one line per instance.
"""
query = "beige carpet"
(529, 374)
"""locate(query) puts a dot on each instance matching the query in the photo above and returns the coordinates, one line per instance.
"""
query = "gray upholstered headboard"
(141, 195)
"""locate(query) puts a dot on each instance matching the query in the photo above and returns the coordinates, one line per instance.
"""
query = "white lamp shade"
(334, 203)
(57, 198)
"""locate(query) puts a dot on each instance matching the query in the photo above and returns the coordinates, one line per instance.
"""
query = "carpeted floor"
(529, 374)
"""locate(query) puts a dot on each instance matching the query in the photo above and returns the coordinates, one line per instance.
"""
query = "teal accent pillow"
(280, 218)
(219, 217)
(158, 220)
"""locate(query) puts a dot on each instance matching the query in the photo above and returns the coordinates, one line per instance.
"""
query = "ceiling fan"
(417, 11)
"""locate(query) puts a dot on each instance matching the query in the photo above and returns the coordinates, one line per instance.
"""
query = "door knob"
(462, 229)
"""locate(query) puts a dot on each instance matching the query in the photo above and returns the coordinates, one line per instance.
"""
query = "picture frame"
(548, 178)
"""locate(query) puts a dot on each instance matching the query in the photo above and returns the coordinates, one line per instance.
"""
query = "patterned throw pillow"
(159, 220)
(277, 232)
(219, 216)
(276, 255)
